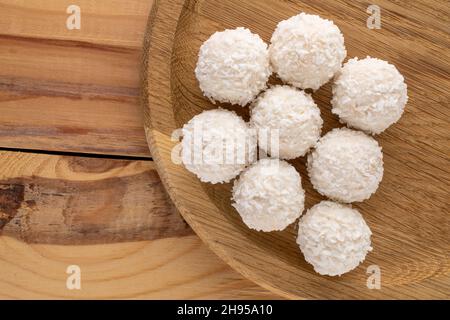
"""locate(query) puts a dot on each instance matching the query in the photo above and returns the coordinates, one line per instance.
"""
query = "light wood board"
(170, 268)
(72, 90)
(112, 219)
(409, 213)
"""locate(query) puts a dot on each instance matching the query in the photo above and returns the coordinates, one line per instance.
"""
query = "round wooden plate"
(409, 213)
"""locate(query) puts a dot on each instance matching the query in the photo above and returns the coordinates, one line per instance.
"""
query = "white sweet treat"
(334, 238)
(346, 165)
(306, 50)
(369, 94)
(269, 195)
(293, 114)
(233, 66)
(217, 145)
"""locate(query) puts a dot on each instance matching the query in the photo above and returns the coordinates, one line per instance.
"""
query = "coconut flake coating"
(217, 145)
(233, 66)
(346, 165)
(369, 94)
(334, 238)
(269, 195)
(307, 50)
(293, 114)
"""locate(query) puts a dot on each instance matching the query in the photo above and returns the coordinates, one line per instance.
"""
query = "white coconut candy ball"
(233, 66)
(289, 114)
(269, 195)
(217, 145)
(334, 238)
(307, 50)
(369, 94)
(346, 165)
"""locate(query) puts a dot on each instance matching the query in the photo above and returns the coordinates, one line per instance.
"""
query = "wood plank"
(76, 90)
(103, 22)
(72, 200)
(171, 268)
(60, 204)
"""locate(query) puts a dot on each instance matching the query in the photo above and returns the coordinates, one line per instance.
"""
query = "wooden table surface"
(77, 183)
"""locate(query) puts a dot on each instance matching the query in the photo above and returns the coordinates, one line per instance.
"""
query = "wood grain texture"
(73, 200)
(72, 90)
(409, 213)
(171, 268)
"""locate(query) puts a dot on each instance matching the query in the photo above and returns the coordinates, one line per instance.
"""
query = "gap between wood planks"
(79, 154)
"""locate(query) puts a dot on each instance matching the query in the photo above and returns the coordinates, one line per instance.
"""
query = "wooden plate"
(409, 213)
